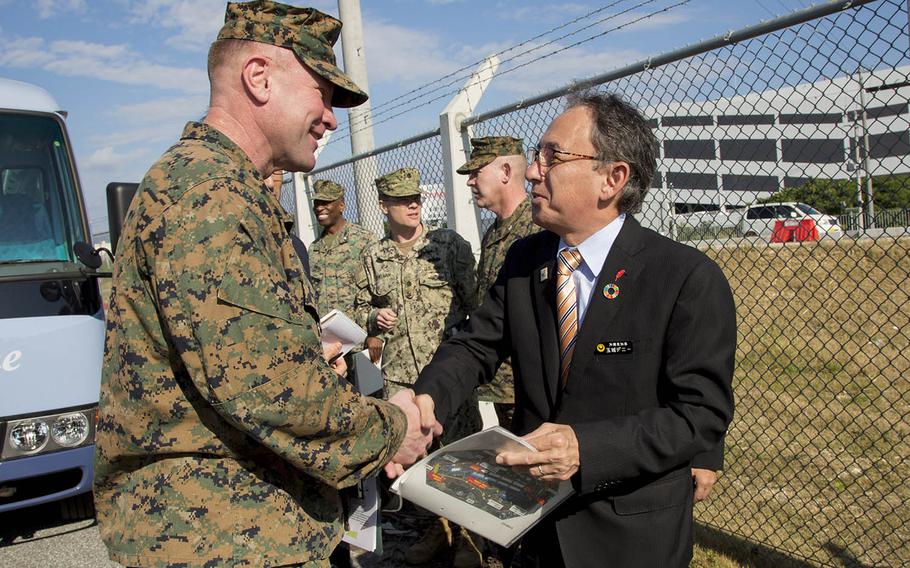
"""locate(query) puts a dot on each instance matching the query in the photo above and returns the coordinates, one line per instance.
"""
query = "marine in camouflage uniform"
(223, 436)
(430, 288)
(335, 256)
(497, 180)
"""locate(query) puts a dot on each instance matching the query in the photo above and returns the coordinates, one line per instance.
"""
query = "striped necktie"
(566, 309)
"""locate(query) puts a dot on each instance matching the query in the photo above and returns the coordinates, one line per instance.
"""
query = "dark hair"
(621, 134)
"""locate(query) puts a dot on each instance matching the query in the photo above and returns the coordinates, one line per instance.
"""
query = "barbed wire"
(336, 136)
(400, 101)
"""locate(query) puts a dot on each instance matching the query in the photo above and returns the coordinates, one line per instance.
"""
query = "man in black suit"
(622, 343)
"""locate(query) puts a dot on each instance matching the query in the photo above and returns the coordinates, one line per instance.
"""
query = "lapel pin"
(544, 273)
(611, 290)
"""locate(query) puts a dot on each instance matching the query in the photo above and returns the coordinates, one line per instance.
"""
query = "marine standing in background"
(335, 254)
(496, 175)
(223, 435)
(418, 287)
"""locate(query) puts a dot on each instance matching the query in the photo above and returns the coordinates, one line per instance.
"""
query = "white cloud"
(49, 8)
(163, 110)
(396, 54)
(114, 63)
(107, 157)
(196, 21)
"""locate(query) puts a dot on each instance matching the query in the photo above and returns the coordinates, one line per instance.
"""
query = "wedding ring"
(540, 471)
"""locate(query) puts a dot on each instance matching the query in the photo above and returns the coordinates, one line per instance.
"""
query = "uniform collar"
(256, 190)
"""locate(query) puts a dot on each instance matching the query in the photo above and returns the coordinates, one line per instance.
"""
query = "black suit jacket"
(649, 387)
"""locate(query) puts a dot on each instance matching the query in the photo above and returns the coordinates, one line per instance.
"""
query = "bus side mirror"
(119, 196)
(87, 255)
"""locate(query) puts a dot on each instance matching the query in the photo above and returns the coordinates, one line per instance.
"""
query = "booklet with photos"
(463, 483)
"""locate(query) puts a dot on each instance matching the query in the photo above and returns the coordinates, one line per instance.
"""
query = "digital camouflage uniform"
(335, 259)
(223, 437)
(494, 246)
(430, 289)
(496, 242)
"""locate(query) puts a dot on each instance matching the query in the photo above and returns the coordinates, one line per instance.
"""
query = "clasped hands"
(555, 457)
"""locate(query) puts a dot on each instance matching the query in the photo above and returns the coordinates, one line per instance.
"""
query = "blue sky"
(132, 72)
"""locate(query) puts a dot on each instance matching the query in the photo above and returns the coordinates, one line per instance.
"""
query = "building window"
(885, 145)
(748, 150)
(734, 182)
(793, 181)
(812, 150)
(692, 120)
(812, 118)
(691, 149)
(685, 180)
(657, 180)
(744, 119)
(878, 112)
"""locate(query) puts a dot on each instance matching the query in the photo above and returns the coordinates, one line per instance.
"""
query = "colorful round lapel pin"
(611, 290)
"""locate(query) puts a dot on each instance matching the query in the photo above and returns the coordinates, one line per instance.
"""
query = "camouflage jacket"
(496, 242)
(334, 265)
(430, 289)
(223, 437)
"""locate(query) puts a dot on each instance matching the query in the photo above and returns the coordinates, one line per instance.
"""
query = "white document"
(363, 514)
(338, 327)
(462, 482)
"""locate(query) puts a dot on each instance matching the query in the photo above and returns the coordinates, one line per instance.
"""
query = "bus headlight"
(29, 435)
(70, 430)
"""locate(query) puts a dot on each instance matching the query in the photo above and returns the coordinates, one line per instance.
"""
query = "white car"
(759, 219)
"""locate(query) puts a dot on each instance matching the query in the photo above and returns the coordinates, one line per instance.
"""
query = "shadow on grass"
(745, 552)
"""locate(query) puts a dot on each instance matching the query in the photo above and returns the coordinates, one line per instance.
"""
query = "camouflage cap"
(400, 183)
(307, 32)
(327, 190)
(485, 150)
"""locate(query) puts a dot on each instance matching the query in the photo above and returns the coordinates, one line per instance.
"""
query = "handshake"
(422, 428)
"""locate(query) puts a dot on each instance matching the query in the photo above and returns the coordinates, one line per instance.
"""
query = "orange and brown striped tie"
(566, 309)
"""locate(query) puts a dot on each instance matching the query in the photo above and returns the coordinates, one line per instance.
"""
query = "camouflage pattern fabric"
(307, 32)
(494, 246)
(335, 265)
(400, 183)
(327, 190)
(485, 150)
(430, 289)
(223, 436)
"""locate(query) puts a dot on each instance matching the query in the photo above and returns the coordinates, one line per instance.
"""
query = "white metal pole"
(459, 201)
(360, 118)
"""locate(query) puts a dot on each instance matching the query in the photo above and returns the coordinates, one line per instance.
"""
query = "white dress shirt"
(594, 251)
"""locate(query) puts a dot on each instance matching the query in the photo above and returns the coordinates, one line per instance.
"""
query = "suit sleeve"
(469, 359)
(255, 356)
(699, 348)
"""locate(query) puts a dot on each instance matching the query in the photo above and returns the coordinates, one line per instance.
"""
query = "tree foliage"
(834, 196)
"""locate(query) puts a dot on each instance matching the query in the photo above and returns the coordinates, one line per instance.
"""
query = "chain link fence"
(785, 156)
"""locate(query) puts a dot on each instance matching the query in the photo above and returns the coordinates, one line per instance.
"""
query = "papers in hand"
(463, 483)
(337, 327)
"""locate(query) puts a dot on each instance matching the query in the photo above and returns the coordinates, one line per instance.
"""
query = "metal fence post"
(459, 203)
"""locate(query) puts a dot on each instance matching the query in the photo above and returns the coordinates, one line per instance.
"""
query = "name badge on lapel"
(614, 347)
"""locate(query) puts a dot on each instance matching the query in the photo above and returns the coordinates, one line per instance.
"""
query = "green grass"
(818, 453)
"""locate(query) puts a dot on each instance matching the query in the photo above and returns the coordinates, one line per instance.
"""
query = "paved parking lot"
(38, 538)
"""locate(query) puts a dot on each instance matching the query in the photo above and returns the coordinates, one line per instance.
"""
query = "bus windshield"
(39, 213)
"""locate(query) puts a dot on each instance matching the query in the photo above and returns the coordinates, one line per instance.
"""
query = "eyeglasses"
(549, 156)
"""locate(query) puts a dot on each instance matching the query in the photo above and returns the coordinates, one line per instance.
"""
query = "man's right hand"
(418, 437)
(386, 318)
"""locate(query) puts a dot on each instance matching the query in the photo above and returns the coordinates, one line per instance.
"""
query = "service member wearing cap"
(223, 435)
(335, 254)
(496, 176)
(418, 287)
